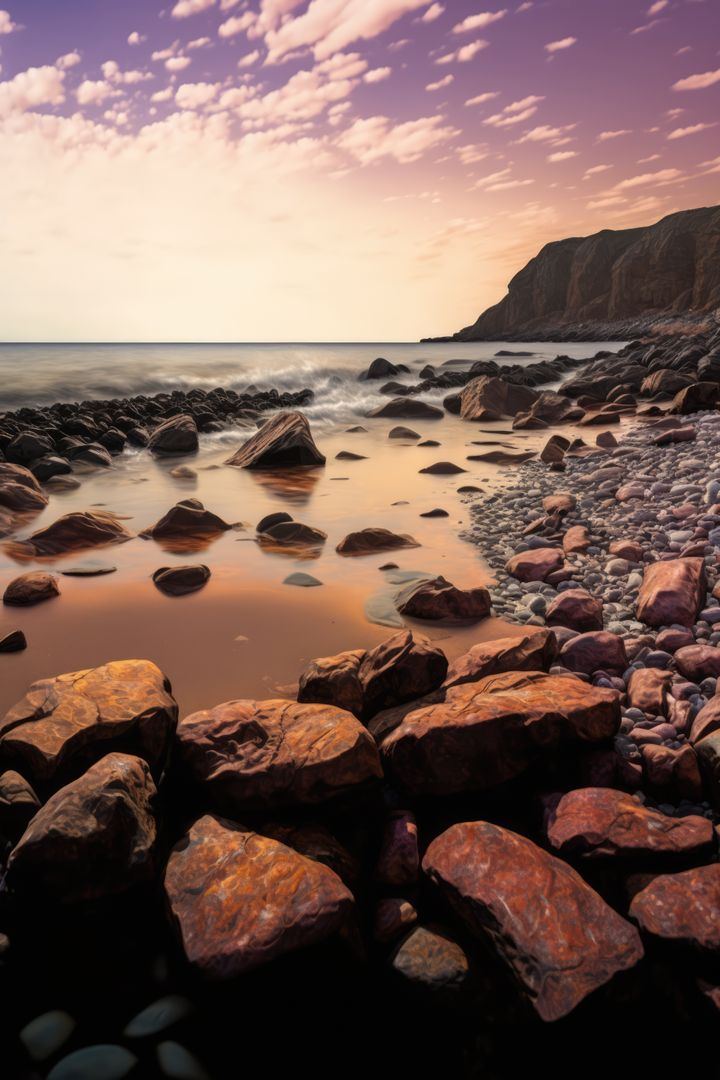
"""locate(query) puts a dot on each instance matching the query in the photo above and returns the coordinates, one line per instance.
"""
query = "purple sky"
(279, 169)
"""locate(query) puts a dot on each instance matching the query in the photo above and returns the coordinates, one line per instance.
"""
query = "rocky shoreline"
(514, 848)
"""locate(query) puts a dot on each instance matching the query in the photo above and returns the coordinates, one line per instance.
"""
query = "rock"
(178, 435)
(88, 568)
(436, 513)
(443, 468)
(18, 804)
(597, 650)
(693, 398)
(576, 540)
(51, 465)
(15, 641)
(672, 640)
(673, 591)
(398, 863)
(557, 937)
(183, 472)
(683, 908)
(577, 609)
(664, 381)
(698, 662)
(382, 369)
(369, 541)
(706, 722)
(671, 774)
(188, 519)
(606, 440)
(93, 838)
(597, 822)
(162, 1014)
(535, 564)
(19, 498)
(647, 690)
(675, 435)
(64, 724)
(267, 754)
(554, 449)
(478, 735)
(403, 433)
(334, 680)
(74, 532)
(707, 750)
(398, 670)
(491, 394)
(304, 581)
(560, 504)
(348, 455)
(407, 408)
(627, 549)
(181, 580)
(102, 1062)
(316, 842)
(429, 959)
(439, 599)
(503, 457)
(393, 917)
(46, 1034)
(283, 442)
(31, 588)
(293, 534)
(241, 900)
(531, 652)
(272, 519)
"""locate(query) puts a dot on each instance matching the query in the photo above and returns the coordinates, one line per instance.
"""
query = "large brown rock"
(268, 754)
(535, 564)
(64, 724)
(707, 721)
(283, 442)
(576, 609)
(178, 435)
(31, 588)
(682, 907)
(370, 541)
(188, 519)
(18, 804)
(596, 822)
(181, 580)
(531, 652)
(334, 680)
(400, 669)
(664, 381)
(240, 900)
(672, 591)
(693, 398)
(478, 735)
(74, 532)
(93, 838)
(698, 662)
(557, 937)
(596, 650)
(647, 689)
(491, 394)
(440, 599)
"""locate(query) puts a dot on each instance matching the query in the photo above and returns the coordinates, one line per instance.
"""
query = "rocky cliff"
(613, 284)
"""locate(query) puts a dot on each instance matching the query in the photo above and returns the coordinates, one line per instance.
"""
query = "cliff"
(613, 284)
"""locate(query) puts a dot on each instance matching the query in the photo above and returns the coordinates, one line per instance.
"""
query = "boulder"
(673, 591)
(292, 534)
(671, 774)
(698, 662)
(559, 504)
(491, 394)
(535, 564)
(558, 938)
(188, 519)
(31, 588)
(707, 750)
(627, 549)
(398, 670)
(597, 822)
(530, 652)
(181, 580)
(393, 917)
(64, 724)
(249, 755)
(240, 900)
(439, 599)
(283, 442)
(272, 519)
(576, 609)
(403, 433)
(554, 449)
(369, 541)
(93, 838)
(315, 841)
(334, 680)
(19, 498)
(696, 397)
(178, 435)
(478, 735)
(664, 381)
(707, 721)
(575, 540)
(407, 408)
(682, 908)
(382, 369)
(597, 650)
(443, 468)
(74, 532)
(647, 689)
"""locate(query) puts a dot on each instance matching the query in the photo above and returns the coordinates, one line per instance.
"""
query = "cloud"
(111, 71)
(6, 24)
(524, 7)
(94, 92)
(647, 160)
(558, 46)
(369, 140)
(662, 176)
(441, 83)
(657, 7)
(184, 8)
(698, 82)
(135, 38)
(561, 155)
(515, 113)
(69, 60)
(594, 170)
(608, 200)
(604, 136)
(162, 95)
(523, 103)
(249, 59)
(328, 26)
(377, 75)
(196, 95)
(544, 133)
(433, 12)
(199, 43)
(480, 99)
(646, 26)
(471, 153)
(28, 89)
(693, 129)
(463, 54)
(492, 178)
(237, 24)
(478, 22)
(178, 63)
(507, 185)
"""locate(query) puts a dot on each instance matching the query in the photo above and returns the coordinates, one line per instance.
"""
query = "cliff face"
(613, 281)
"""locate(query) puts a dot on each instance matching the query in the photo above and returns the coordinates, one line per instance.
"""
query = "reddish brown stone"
(316, 842)
(241, 900)
(93, 838)
(488, 393)
(267, 754)
(672, 640)
(429, 959)
(18, 804)
(393, 917)
(707, 720)
(478, 735)
(672, 774)
(73, 532)
(334, 680)
(648, 690)
(31, 588)
(535, 564)
(400, 669)
(534, 651)
(283, 442)
(576, 540)
(682, 907)
(698, 662)
(186, 520)
(558, 938)
(64, 724)
(439, 599)
(559, 504)
(598, 821)
(597, 650)
(554, 449)
(627, 549)
(673, 591)
(370, 541)
(575, 609)
(399, 861)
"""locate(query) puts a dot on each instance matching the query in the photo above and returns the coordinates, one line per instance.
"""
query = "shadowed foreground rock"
(240, 900)
(93, 838)
(74, 532)
(259, 754)
(672, 592)
(283, 442)
(559, 939)
(682, 907)
(64, 724)
(532, 652)
(479, 735)
(596, 822)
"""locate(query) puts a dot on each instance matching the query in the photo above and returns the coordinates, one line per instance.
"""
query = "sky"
(330, 170)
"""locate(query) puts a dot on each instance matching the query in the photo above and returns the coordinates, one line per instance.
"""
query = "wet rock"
(430, 960)
(576, 540)
(18, 804)
(316, 842)
(293, 534)
(181, 580)
(334, 680)
(407, 408)
(672, 591)
(707, 750)
(398, 670)
(369, 541)
(64, 724)
(348, 455)
(403, 433)
(187, 519)
(93, 838)
(597, 650)
(15, 641)
(531, 652)
(438, 512)
(558, 938)
(503, 457)
(439, 599)
(693, 398)
(51, 465)
(303, 581)
(647, 690)
(491, 394)
(283, 442)
(74, 532)
(267, 754)
(272, 519)
(576, 609)
(241, 900)
(178, 435)
(671, 774)
(683, 908)
(535, 564)
(31, 588)
(443, 468)
(554, 449)
(698, 662)
(183, 472)
(383, 369)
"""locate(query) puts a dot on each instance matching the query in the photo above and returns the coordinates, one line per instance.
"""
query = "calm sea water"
(43, 374)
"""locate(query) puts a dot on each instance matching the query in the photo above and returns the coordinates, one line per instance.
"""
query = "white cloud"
(657, 7)
(237, 24)
(507, 185)
(594, 170)
(693, 129)
(69, 60)
(163, 95)
(377, 75)
(523, 103)
(94, 92)
(480, 99)
(178, 63)
(184, 8)
(28, 89)
(6, 24)
(441, 83)
(698, 82)
(604, 136)
(524, 7)
(492, 178)
(479, 21)
(558, 46)
(330, 25)
(471, 153)
(199, 43)
(516, 112)
(136, 38)
(196, 95)
(463, 54)
(432, 13)
(561, 155)
(545, 133)
(371, 139)
(111, 71)
(662, 176)
(249, 59)
(647, 160)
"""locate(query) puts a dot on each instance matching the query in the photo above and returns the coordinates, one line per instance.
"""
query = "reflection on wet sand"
(294, 485)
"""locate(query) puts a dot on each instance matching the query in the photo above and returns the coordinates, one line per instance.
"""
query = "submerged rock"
(187, 519)
(181, 580)
(31, 588)
(74, 532)
(440, 599)
(369, 541)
